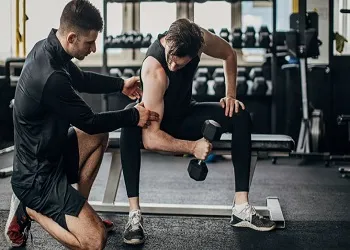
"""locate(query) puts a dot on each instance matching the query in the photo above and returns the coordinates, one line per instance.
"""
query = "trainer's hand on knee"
(146, 116)
(231, 105)
(201, 149)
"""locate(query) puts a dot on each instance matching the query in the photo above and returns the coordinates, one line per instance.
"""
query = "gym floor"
(315, 201)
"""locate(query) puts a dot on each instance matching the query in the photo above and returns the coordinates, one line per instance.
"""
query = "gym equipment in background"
(302, 43)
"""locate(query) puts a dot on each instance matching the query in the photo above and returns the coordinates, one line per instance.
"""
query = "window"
(156, 17)
(342, 25)
(43, 16)
(214, 15)
(257, 14)
(114, 24)
(7, 29)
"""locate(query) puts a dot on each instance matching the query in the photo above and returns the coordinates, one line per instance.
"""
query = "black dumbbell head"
(197, 171)
(259, 86)
(241, 71)
(255, 72)
(201, 85)
(211, 130)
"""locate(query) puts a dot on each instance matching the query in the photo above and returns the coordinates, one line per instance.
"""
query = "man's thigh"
(54, 198)
(191, 127)
(78, 148)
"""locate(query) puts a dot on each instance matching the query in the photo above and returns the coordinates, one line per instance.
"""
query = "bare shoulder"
(152, 70)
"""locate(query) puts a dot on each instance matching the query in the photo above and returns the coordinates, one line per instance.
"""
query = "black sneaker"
(18, 224)
(134, 233)
(248, 217)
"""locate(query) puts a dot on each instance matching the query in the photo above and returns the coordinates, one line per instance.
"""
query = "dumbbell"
(242, 86)
(108, 41)
(118, 42)
(129, 39)
(241, 71)
(138, 38)
(211, 30)
(115, 72)
(224, 34)
(127, 73)
(249, 37)
(259, 86)
(237, 38)
(202, 72)
(201, 81)
(219, 82)
(147, 40)
(264, 37)
(198, 170)
(138, 72)
(201, 85)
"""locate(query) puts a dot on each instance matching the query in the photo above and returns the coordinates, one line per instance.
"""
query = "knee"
(103, 139)
(244, 116)
(95, 241)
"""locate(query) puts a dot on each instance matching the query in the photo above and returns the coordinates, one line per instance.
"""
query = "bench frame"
(272, 209)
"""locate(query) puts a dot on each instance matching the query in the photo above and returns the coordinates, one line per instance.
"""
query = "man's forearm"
(161, 141)
(230, 70)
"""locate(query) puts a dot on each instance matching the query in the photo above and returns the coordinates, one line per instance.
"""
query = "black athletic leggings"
(190, 128)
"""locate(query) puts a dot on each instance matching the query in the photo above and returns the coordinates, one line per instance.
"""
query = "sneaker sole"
(134, 241)
(14, 205)
(250, 225)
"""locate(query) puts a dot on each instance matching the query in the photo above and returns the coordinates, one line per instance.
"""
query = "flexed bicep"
(154, 85)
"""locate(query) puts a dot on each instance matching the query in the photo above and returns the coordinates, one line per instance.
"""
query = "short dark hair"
(184, 38)
(82, 15)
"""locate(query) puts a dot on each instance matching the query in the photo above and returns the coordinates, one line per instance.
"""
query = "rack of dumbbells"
(254, 88)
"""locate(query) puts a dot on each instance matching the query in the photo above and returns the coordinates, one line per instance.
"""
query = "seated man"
(50, 155)
(167, 74)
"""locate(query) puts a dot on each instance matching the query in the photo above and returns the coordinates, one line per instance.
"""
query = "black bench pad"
(260, 142)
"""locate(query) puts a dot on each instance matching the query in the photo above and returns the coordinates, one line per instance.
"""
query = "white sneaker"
(248, 217)
(134, 233)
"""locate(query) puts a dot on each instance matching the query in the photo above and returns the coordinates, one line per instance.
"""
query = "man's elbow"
(149, 142)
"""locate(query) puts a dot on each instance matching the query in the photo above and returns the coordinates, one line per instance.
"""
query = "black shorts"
(56, 197)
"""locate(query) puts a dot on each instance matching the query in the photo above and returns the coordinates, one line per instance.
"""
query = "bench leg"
(113, 179)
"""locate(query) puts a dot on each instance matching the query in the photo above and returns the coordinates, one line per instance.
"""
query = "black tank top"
(178, 95)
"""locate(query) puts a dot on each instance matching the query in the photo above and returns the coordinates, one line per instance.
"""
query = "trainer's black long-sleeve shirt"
(47, 103)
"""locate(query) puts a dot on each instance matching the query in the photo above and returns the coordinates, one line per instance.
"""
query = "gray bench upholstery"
(262, 144)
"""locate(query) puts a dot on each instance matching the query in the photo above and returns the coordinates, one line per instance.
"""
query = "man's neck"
(61, 39)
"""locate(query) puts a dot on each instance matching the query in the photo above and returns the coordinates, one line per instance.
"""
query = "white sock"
(240, 207)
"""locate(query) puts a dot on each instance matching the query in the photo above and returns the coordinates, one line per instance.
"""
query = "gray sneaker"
(134, 233)
(248, 217)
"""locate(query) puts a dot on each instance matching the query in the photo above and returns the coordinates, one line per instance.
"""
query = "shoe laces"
(135, 220)
(248, 212)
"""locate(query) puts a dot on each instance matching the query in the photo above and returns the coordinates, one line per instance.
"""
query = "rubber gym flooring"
(315, 201)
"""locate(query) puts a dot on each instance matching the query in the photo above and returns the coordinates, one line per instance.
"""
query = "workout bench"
(262, 145)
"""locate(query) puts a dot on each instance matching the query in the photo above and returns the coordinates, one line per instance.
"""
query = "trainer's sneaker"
(248, 217)
(134, 233)
(18, 224)
(109, 225)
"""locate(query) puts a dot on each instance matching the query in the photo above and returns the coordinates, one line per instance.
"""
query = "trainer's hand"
(146, 116)
(231, 104)
(132, 88)
(201, 149)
